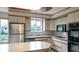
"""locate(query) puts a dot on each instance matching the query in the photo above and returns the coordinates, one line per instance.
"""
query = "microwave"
(61, 28)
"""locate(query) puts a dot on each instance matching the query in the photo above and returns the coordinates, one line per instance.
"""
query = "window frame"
(8, 29)
(38, 19)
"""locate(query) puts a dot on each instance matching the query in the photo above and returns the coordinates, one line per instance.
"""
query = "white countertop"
(29, 46)
(4, 48)
(25, 46)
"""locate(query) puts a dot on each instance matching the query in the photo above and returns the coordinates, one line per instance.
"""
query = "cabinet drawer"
(59, 49)
(60, 46)
(64, 48)
(57, 43)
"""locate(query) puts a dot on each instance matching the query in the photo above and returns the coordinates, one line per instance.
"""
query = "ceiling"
(42, 10)
(49, 10)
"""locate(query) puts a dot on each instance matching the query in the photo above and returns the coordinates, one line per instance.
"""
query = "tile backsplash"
(46, 33)
(29, 33)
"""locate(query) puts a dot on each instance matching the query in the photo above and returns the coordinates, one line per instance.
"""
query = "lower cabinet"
(48, 39)
(59, 44)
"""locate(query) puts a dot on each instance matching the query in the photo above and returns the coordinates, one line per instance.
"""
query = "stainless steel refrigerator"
(16, 31)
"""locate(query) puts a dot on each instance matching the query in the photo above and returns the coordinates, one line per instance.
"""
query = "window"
(36, 25)
(4, 31)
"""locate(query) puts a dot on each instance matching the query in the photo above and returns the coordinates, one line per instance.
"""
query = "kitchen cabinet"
(70, 18)
(13, 19)
(64, 47)
(59, 44)
(61, 20)
(46, 24)
(28, 24)
(56, 47)
(17, 19)
(21, 19)
(76, 17)
(52, 25)
(73, 17)
(58, 21)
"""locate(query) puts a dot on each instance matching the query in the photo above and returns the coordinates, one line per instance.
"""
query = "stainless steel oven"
(73, 37)
(73, 46)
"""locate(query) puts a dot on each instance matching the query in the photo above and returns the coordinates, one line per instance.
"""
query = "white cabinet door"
(76, 16)
(46, 24)
(59, 21)
(28, 24)
(52, 25)
(73, 17)
(55, 25)
(16, 19)
(21, 19)
(13, 19)
(59, 45)
(64, 48)
(70, 18)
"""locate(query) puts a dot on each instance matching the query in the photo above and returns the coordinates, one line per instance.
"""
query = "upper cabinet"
(70, 18)
(76, 16)
(62, 20)
(21, 19)
(52, 25)
(13, 19)
(73, 17)
(47, 24)
(16, 19)
(28, 24)
(59, 21)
